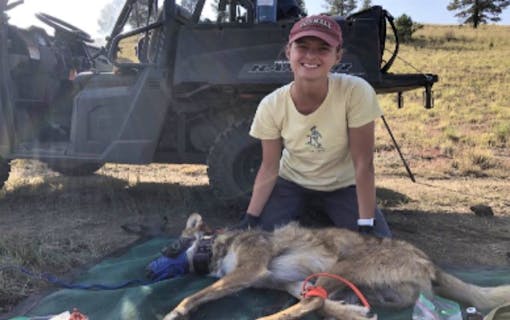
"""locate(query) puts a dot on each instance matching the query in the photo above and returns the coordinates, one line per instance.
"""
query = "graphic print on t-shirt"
(314, 139)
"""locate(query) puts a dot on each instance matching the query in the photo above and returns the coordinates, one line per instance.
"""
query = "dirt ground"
(56, 224)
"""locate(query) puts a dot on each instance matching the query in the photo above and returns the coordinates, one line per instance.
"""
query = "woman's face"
(312, 58)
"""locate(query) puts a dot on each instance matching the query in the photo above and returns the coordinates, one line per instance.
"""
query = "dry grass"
(51, 223)
(467, 134)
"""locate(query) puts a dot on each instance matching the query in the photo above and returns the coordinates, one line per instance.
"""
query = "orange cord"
(321, 292)
(314, 291)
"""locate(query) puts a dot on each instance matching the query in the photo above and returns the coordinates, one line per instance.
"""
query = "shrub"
(502, 132)
(406, 27)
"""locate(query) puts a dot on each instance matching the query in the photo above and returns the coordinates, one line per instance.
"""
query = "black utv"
(173, 84)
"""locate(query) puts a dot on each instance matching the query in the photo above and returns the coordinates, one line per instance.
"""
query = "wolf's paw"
(361, 313)
(340, 310)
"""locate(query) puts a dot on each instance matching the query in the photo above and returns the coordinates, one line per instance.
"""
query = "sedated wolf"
(391, 273)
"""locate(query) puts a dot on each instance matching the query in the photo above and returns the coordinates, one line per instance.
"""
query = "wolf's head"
(194, 231)
(196, 228)
(185, 254)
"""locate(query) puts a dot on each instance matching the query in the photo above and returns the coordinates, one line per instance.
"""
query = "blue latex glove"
(165, 267)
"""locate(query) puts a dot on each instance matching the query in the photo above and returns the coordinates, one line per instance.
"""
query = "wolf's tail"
(453, 288)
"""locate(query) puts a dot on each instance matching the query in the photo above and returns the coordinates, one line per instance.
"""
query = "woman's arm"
(361, 145)
(266, 176)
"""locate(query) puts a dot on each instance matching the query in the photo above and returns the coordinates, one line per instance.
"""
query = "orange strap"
(321, 292)
(316, 291)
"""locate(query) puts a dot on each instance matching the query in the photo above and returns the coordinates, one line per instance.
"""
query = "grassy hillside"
(467, 133)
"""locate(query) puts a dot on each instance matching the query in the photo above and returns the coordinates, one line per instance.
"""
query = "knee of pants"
(269, 223)
(283, 206)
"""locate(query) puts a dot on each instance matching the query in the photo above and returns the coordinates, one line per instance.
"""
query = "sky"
(85, 13)
(422, 11)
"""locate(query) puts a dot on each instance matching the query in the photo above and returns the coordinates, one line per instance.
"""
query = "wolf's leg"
(295, 289)
(297, 310)
(330, 308)
(251, 267)
(239, 279)
(481, 297)
(336, 309)
(340, 310)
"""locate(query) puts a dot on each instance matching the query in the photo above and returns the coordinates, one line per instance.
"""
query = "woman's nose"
(312, 52)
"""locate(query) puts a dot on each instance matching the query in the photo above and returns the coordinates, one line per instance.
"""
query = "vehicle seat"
(103, 80)
(288, 10)
(148, 48)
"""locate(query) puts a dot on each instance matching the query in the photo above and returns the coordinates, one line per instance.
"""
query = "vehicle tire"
(5, 169)
(233, 163)
(74, 168)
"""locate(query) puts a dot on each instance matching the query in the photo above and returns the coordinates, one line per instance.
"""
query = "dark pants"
(289, 200)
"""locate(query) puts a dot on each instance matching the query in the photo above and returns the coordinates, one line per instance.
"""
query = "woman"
(317, 136)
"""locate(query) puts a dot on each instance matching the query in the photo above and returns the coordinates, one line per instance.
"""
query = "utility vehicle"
(174, 83)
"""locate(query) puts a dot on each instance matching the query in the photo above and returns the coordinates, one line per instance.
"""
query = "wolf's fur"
(391, 273)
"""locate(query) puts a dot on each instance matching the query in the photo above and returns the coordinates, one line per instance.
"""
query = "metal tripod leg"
(411, 175)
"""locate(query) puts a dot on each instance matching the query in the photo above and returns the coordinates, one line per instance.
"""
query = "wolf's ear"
(194, 221)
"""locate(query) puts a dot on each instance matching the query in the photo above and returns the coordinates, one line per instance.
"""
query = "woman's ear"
(339, 53)
(287, 51)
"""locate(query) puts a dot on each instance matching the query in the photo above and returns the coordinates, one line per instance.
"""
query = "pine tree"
(105, 21)
(302, 6)
(351, 6)
(406, 27)
(366, 4)
(341, 7)
(476, 12)
(214, 6)
(189, 4)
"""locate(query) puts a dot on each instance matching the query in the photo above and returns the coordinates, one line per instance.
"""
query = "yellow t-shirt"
(316, 152)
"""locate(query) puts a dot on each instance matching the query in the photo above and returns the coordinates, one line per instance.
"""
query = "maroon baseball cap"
(320, 26)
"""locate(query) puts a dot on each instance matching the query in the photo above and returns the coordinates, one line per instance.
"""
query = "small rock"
(482, 210)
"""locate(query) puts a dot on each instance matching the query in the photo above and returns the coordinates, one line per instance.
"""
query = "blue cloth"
(152, 302)
(165, 267)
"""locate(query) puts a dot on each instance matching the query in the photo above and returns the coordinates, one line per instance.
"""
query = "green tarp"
(147, 302)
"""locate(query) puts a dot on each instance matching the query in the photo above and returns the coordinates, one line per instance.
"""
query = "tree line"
(471, 12)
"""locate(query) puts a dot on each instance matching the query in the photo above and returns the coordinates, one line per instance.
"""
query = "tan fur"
(391, 273)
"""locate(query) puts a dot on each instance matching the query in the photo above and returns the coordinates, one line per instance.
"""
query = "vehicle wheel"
(74, 168)
(233, 162)
(5, 169)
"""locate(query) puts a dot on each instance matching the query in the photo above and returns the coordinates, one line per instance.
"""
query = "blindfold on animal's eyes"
(165, 267)
(177, 246)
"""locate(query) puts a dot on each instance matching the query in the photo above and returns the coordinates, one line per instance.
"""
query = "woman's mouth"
(310, 65)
